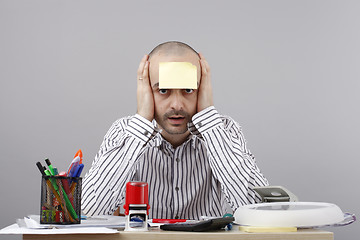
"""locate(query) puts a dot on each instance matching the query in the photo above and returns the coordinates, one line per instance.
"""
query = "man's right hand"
(145, 97)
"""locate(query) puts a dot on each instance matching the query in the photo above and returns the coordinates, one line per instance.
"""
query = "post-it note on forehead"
(177, 75)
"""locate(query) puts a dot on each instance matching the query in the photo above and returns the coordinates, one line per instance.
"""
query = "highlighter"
(50, 166)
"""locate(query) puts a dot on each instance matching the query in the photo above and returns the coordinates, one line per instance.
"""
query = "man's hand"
(205, 97)
(145, 97)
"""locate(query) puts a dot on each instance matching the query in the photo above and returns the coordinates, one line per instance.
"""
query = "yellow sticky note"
(255, 229)
(178, 75)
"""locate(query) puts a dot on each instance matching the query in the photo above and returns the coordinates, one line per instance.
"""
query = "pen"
(42, 171)
(41, 168)
(67, 216)
(67, 201)
(48, 173)
(68, 204)
(79, 170)
(72, 188)
(76, 172)
(74, 164)
(77, 158)
(60, 197)
(56, 194)
(50, 166)
(157, 220)
(65, 184)
(80, 155)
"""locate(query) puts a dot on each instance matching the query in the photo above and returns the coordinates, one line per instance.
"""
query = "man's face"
(174, 108)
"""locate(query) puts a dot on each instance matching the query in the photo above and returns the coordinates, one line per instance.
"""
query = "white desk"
(157, 234)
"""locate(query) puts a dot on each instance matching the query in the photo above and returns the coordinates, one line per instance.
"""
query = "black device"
(202, 226)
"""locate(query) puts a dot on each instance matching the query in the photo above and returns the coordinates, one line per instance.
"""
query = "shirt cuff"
(141, 128)
(204, 121)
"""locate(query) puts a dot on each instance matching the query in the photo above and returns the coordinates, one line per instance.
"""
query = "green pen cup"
(60, 200)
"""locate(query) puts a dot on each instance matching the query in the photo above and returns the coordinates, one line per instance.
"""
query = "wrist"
(145, 115)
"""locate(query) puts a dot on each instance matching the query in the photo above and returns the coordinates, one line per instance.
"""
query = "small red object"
(57, 216)
(157, 220)
(137, 193)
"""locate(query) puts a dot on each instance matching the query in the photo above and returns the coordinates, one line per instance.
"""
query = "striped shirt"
(212, 167)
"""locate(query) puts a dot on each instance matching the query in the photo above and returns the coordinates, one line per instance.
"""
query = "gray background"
(287, 71)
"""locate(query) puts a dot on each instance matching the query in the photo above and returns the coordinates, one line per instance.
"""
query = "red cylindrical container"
(136, 193)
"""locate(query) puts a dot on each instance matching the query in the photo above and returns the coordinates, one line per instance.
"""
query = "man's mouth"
(176, 120)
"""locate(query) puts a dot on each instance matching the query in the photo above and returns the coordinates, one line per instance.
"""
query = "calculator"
(202, 226)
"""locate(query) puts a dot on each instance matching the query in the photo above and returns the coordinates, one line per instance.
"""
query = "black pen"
(41, 168)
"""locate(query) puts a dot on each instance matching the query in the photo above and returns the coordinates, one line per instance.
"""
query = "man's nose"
(177, 100)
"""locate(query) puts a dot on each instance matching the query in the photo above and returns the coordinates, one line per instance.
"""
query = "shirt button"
(176, 217)
(177, 189)
(199, 125)
(146, 133)
(178, 159)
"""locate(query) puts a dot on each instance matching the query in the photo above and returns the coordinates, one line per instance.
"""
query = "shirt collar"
(159, 141)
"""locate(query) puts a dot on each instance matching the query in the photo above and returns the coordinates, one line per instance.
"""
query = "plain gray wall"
(287, 71)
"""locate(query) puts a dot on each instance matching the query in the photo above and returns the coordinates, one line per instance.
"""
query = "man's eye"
(163, 91)
(189, 90)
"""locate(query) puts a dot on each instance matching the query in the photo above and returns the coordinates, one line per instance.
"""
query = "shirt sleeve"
(104, 185)
(232, 163)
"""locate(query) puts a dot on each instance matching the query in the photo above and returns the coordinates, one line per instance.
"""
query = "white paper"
(104, 224)
(15, 229)
(108, 221)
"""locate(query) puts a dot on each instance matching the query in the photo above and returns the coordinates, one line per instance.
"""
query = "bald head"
(173, 48)
(171, 52)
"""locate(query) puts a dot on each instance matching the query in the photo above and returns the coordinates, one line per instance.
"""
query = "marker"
(41, 168)
(81, 167)
(77, 158)
(79, 154)
(50, 166)
(51, 184)
(73, 166)
(78, 171)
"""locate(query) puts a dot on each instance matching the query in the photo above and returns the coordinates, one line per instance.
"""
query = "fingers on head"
(146, 69)
(204, 67)
(142, 65)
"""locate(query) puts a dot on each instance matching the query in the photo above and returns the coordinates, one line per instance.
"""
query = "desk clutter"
(60, 200)
(280, 211)
(61, 192)
(60, 211)
(137, 205)
(289, 216)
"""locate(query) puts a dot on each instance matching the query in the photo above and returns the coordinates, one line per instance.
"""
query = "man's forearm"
(231, 162)
(104, 185)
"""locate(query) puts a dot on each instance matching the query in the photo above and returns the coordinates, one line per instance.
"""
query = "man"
(193, 159)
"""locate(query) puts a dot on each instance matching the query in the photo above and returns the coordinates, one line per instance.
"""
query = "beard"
(173, 129)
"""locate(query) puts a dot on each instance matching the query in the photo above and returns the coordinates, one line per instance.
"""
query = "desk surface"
(157, 234)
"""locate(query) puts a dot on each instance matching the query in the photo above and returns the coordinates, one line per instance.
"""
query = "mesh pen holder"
(60, 200)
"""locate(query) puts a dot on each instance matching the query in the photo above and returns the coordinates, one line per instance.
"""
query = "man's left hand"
(205, 97)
